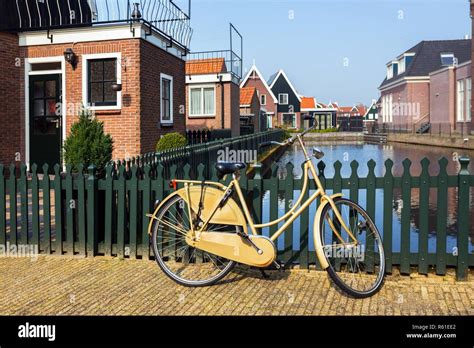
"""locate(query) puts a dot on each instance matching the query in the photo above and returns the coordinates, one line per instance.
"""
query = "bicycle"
(199, 232)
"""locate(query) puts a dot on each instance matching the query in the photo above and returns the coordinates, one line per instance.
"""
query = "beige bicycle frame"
(289, 216)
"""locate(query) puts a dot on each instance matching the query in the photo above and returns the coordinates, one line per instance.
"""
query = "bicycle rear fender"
(318, 244)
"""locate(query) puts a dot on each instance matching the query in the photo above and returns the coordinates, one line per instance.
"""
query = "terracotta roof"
(246, 95)
(345, 109)
(308, 103)
(205, 66)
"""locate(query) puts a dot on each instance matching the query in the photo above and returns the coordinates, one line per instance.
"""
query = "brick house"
(429, 84)
(212, 95)
(252, 117)
(268, 101)
(350, 118)
(128, 72)
(316, 112)
(289, 101)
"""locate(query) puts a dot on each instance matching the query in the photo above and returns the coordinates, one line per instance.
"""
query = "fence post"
(405, 219)
(388, 214)
(463, 220)
(92, 211)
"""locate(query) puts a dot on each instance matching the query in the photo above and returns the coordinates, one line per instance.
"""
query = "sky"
(334, 50)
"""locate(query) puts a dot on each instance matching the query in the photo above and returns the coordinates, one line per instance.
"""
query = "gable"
(255, 75)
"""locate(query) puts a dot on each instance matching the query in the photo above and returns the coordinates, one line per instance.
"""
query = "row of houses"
(265, 103)
(429, 87)
(131, 66)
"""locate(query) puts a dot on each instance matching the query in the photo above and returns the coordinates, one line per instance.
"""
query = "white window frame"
(460, 105)
(85, 81)
(401, 65)
(389, 72)
(282, 95)
(202, 114)
(447, 55)
(263, 99)
(468, 88)
(294, 119)
(170, 78)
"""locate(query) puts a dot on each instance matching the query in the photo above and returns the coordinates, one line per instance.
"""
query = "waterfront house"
(371, 117)
(288, 101)
(116, 61)
(213, 89)
(268, 101)
(212, 96)
(429, 85)
(316, 112)
(350, 118)
(252, 117)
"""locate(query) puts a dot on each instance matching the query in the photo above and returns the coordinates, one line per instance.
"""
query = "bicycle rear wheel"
(356, 266)
(181, 262)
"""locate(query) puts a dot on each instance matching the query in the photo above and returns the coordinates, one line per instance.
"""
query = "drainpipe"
(222, 102)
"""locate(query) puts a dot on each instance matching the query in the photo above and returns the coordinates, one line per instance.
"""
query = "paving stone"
(107, 286)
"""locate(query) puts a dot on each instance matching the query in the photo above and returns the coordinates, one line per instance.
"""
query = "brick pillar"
(10, 113)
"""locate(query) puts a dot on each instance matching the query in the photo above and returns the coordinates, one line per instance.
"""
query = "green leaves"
(171, 141)
(88, 144)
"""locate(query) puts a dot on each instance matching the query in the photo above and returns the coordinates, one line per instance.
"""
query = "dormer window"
(401, 65)
(448, 59)
(389, 72)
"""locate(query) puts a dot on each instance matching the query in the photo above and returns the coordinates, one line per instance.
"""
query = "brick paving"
(54, 285)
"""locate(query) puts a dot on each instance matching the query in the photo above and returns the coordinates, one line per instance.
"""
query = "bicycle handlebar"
(287, 141)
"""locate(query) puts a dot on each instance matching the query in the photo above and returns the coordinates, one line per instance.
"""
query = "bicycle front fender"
(318, 243)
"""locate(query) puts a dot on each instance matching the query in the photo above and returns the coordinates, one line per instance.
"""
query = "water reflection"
(345, 153)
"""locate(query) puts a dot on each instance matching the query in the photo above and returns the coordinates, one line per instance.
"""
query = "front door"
(45, 120)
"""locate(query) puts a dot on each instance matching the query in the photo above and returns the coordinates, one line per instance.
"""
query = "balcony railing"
(214, 62)
(163, 16)
(219, 61)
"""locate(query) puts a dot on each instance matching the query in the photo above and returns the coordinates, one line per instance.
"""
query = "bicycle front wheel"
(357, 262)
(181, 262)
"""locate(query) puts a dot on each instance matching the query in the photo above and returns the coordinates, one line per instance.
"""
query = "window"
(447, 59)
(468, 99)
(289, 120)
(401, 65)
(102, 73)
(460, 101)
(202, 101)
(283, 98)
(166, 93)
(389, 72)
(263, 99)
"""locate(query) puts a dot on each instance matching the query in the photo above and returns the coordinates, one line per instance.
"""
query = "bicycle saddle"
(224, 168)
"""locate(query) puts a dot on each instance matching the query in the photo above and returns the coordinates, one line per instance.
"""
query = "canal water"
(362, 153)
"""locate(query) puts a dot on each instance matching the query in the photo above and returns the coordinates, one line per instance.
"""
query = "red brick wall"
(258, 84)
(254, 109)
(412, 97)
(155, 61)
(135, 128)
(11, 135)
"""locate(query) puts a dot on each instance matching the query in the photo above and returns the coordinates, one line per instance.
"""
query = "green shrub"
(88, 144)
(171, 141)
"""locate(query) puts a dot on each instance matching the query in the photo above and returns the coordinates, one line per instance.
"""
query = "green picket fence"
(205, 153)
(68, 213)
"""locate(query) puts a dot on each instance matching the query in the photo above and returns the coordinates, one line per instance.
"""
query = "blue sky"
(322, 35)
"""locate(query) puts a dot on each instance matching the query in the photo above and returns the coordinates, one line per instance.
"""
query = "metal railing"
(163, 16)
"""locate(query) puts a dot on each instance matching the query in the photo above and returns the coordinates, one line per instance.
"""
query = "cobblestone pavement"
(106, 286)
